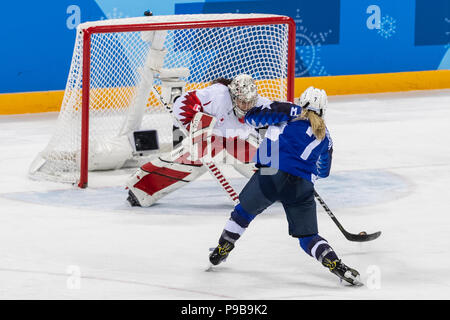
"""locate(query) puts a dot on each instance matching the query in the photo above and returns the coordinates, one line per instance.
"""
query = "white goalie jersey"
(216, 101)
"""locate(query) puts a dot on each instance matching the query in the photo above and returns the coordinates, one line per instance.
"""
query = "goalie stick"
(361, 237)
(210, 165)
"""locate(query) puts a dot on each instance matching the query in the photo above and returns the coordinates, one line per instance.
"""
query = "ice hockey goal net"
(117, 64)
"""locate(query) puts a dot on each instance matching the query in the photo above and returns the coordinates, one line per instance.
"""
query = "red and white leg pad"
(159, 177)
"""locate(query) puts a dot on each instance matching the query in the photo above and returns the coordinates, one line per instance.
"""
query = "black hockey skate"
(220, 253)
(132, 199)
(343, 272)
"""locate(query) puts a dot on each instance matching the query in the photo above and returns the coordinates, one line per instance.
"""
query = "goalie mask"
(243, 92)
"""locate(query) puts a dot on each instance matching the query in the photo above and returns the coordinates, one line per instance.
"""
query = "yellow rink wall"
(50, 101)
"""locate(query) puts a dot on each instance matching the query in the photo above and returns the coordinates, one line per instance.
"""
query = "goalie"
(223, 136)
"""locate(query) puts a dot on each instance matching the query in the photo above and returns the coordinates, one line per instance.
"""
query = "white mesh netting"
(116, 90)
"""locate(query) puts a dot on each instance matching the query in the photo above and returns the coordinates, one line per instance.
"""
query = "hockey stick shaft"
(210, 165)
(329, 212)
(349, 236)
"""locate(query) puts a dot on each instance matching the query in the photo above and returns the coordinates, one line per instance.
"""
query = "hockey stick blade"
(362, 237)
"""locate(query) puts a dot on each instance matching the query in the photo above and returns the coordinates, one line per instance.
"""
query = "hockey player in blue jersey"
(297, 150)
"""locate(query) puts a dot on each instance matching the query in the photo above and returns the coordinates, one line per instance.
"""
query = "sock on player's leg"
(233, 230)
(318, 247)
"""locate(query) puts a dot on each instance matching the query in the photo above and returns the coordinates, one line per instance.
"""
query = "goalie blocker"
(164, 175)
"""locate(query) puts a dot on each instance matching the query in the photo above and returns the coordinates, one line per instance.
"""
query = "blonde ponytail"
(317, 123)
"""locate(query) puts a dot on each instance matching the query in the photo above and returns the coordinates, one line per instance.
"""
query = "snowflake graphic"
(307, 49)
(388, 27)
(115, 14)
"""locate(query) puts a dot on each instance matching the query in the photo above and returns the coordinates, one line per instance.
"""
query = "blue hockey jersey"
(290, 145)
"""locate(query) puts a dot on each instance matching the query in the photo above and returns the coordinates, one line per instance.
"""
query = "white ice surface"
(390, 173)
